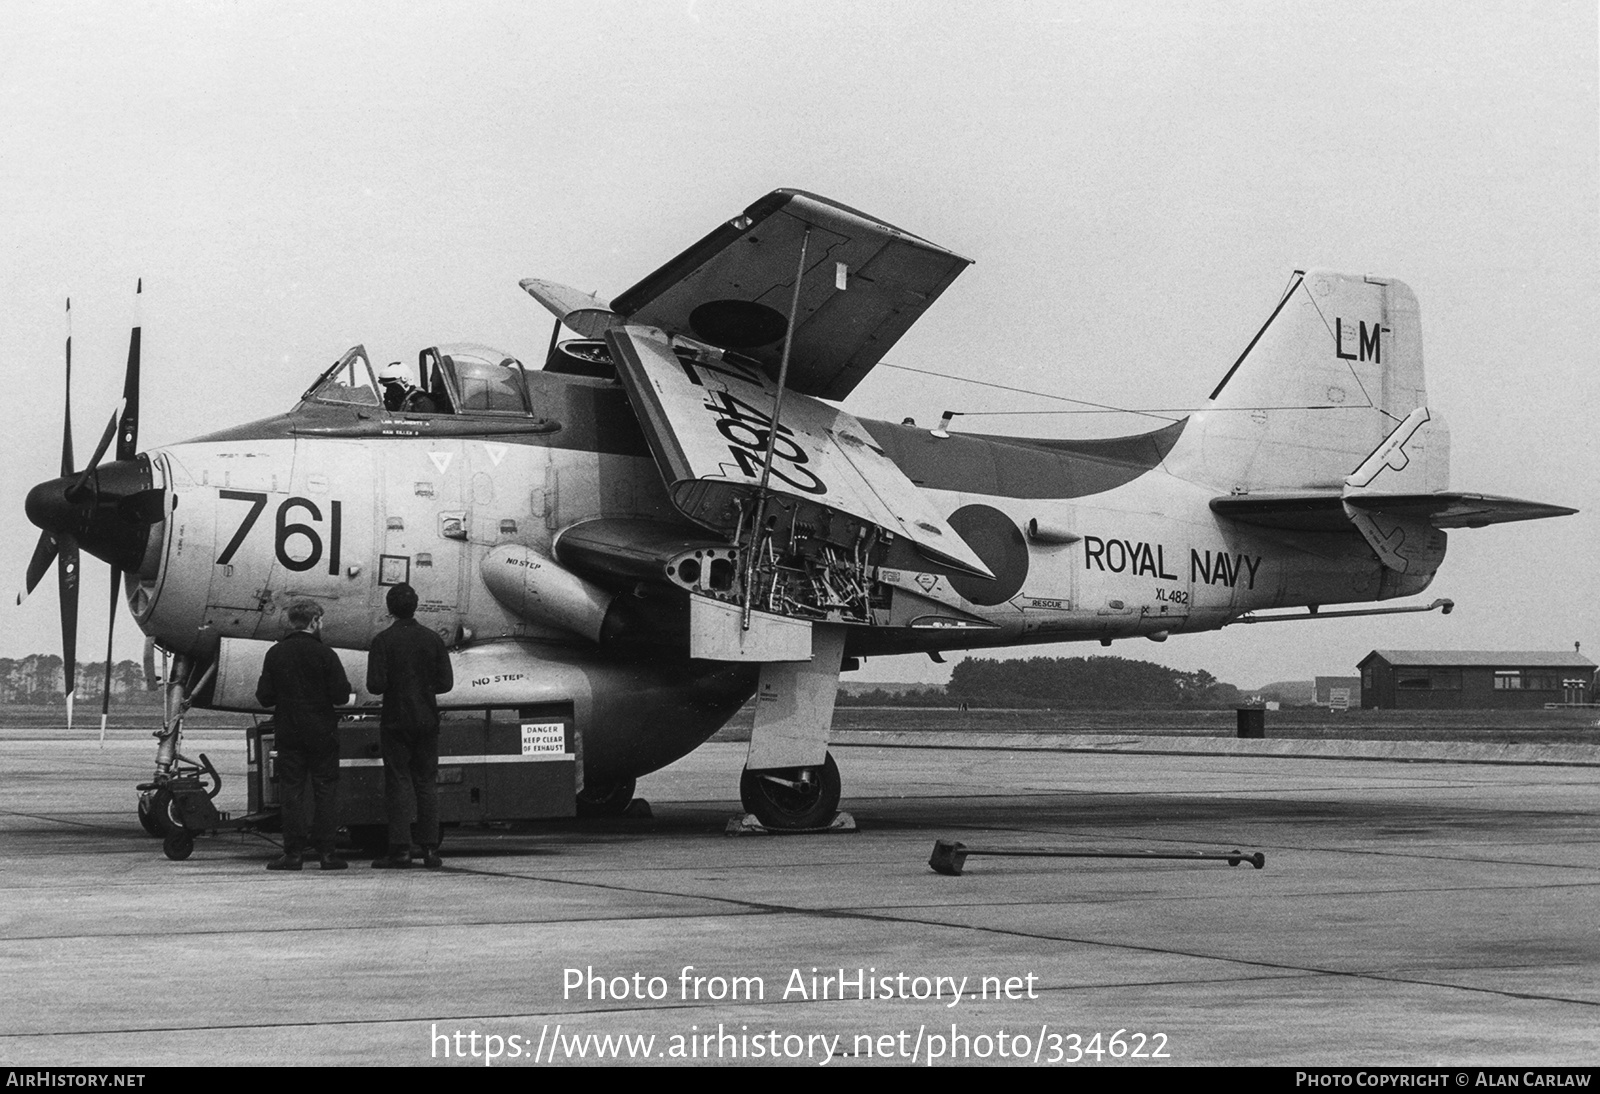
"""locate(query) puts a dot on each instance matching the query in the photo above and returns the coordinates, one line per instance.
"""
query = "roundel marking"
(737, 324)
(997, 540)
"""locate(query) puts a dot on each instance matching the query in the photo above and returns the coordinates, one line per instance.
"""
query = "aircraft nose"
(112, 513)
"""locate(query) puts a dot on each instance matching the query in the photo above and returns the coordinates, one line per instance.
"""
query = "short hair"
(303, 613)
(402, 601)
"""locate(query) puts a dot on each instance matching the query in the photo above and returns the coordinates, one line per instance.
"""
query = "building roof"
(1498, 659)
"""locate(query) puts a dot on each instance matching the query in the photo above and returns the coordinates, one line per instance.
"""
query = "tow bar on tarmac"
(949, 856)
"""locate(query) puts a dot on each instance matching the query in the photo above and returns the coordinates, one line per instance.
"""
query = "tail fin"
(1336, 367)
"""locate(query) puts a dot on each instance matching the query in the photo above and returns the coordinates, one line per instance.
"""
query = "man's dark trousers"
(410, 667)
(302, 758)
(410, 778)
(303, 681)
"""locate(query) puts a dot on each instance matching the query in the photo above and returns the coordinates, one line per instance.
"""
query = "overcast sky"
(1134, 181)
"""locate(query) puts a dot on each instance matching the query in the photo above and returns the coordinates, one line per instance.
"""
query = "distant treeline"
(1083, 681)
(37, 680)
(931, 696)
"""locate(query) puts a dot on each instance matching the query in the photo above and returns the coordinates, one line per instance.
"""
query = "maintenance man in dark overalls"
(409, 666)
(304, 681)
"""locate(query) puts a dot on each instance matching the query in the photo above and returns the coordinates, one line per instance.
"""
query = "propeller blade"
(66, 416)
(76, 489)
(67, 583)
(44, 553)
(111, 629)
(128, 436)
(149, 663)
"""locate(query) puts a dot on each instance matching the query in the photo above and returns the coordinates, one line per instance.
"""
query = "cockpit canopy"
(457, 379)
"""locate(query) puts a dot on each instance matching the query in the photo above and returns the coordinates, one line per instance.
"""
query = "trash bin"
(1252, 723)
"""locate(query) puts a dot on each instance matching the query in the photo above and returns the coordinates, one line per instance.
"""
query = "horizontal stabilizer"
(1323, 511)
(1455, 510)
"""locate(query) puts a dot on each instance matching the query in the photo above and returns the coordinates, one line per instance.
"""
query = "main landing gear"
(610, 800)
(792, 797)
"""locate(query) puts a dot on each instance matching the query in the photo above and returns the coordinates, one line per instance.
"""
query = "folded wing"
(865, 283)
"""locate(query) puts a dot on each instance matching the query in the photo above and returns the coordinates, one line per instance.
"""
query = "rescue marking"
(441, 460)
(497, 452)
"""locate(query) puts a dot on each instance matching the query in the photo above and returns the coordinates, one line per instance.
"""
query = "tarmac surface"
(1438, 909)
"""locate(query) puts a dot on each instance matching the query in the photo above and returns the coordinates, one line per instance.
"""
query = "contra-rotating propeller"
(106, 510)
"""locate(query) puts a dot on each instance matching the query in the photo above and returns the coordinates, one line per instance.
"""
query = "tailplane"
(1321, 426)
(1328, 378)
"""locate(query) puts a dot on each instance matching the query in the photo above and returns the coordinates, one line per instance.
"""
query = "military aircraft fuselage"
(1088, 540)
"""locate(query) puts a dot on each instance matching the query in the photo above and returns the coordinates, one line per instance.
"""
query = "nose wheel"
(155, 812)
(792, 797)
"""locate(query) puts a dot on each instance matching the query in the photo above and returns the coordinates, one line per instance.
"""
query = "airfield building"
(1336, 692)
(1474, 679)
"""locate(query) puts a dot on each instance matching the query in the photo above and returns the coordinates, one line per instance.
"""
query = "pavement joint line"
(1280, 848)
(1196, 754)
(60, 820)
(826, 913)
(1139, 898)
(1310, 970)
(1200, 898)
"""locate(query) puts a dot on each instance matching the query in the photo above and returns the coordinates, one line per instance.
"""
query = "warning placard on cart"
(544, 739)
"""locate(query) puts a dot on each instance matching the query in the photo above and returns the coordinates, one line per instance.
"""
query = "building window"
(1428, 679)
(1507, 681)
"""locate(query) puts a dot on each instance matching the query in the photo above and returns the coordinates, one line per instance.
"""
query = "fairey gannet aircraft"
(627, 536)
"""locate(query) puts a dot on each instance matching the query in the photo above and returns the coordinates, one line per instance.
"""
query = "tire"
(150, 820)
(606, 801)
(777, 804)
(177, 845)
(160, 816)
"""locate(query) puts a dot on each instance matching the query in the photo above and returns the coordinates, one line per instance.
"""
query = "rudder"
(1336, 367)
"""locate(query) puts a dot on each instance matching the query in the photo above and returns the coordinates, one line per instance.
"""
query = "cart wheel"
(178, 844)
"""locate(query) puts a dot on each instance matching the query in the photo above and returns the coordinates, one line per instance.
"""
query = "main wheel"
(606, 801)
(795, 797)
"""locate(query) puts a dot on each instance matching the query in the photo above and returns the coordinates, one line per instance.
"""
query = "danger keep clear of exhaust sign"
(544, 739)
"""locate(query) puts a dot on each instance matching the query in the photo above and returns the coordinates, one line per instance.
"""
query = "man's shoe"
(402, 861)
(331, 861)
(431, 859)
(285, 862)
